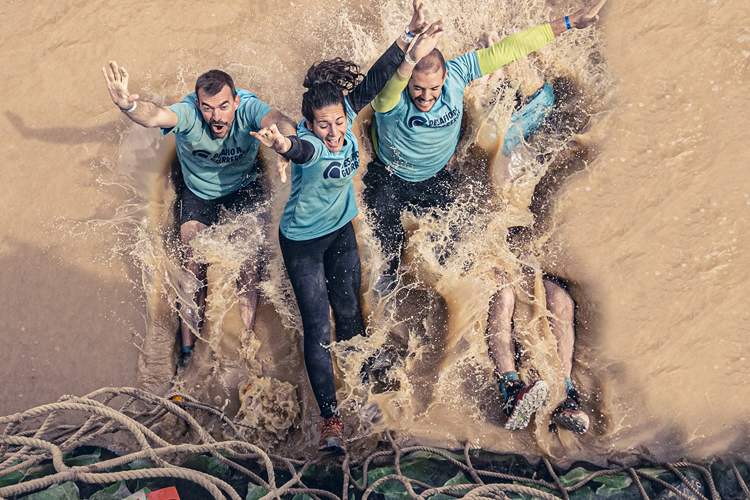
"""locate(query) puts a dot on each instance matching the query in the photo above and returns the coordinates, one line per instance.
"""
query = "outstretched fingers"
(428, 40)
(435, 29)
(417, 24)
(588, 14)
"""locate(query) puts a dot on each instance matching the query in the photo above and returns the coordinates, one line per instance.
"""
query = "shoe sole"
(333, 446)
(575, 421)
(533, 398)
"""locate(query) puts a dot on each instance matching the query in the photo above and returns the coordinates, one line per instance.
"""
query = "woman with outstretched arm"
(316, 234)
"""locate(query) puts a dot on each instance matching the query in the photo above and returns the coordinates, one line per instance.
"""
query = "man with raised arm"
(218, 158)
(415, 133)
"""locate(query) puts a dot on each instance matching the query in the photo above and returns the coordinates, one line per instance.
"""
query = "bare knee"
(559, 301)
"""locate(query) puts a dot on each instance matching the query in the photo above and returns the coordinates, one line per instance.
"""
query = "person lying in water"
(415, 133)
(219, 172)
(316, 234)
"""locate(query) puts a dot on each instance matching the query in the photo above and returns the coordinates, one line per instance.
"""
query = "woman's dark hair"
(326, 82)
(211, 82)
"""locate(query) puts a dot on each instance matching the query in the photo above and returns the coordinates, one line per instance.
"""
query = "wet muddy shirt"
(212, 167)
(415, 145)
(321, 199)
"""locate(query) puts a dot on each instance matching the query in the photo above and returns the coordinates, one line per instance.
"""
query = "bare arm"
(416, 26)
(580, 19)
(388, 97)
(143, 113)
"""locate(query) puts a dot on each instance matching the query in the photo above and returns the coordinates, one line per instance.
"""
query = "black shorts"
(209, 212)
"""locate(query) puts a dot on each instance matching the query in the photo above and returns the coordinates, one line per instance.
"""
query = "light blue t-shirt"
(211, 167)
(321, 199)
(415, 145)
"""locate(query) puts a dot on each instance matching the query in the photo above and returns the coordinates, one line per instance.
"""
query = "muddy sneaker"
(569, 414)
(186, 353)
(522, 402)
(331, 436)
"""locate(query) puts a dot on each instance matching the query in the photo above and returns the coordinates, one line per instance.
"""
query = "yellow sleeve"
(389, 95)
(514, 47)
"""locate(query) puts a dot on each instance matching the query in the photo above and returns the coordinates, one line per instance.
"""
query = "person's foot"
(522, 402)
(331, 436)
(569, 414)
(186, 353)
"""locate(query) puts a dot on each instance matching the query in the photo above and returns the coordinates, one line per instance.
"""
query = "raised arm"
(519, 45)
(143, 113)
(388, 97)
(580, 19)
(387, 64)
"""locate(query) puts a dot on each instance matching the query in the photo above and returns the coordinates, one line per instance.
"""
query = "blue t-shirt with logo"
(416, 145)
(212, 167)
(321, 199)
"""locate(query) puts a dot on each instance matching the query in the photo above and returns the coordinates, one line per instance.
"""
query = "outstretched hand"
(428, 40)
(117, 84)
(586, 15)
(417, 24)
(272, 138)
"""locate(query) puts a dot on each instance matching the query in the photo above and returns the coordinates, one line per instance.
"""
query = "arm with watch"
(518, 45)
(143, 113)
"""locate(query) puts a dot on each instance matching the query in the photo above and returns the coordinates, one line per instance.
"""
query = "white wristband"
(131, 108)
(407, 37)
(408, 59)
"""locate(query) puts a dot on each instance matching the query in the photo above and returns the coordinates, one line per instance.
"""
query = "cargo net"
(48, 452)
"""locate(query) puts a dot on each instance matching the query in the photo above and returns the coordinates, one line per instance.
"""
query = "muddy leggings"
(325, 271)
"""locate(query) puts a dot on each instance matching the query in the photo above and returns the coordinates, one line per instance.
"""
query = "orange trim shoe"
(331, 436)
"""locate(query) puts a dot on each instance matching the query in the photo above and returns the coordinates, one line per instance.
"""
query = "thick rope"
(741, 481)
(35, 435)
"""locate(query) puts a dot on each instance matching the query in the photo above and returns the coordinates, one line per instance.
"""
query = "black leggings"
(325, 271)
(386, 197)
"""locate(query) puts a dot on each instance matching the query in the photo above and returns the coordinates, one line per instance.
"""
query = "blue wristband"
(409, 33)
(567, 22)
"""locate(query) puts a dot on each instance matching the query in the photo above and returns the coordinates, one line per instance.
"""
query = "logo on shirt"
(227, 155)
(446, 120)
(335, 170)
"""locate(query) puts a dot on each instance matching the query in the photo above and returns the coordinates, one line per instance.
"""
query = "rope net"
(51, 445)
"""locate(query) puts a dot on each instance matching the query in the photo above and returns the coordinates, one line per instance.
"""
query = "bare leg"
(499, 326)
(520, 401)
(562, 307)
(247, 285)
(188, 231)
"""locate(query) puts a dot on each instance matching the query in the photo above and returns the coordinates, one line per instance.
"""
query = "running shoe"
(331, 436)
(569, 414)
(522, 402)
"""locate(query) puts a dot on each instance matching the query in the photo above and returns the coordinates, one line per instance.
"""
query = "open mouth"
(218, 128)
(333, 143)
(421, 103)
